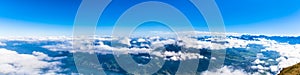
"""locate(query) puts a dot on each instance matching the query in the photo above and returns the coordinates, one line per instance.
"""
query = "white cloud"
(105, 49)
(229, 43)
(125, 41)
(59, 47)
(226, 71)
(141, 40)
(2, 44)
(157, 44)
(176, 56)
(289, 54)
(274, 68)
(258, 61)
(25, 64)
(260, 67)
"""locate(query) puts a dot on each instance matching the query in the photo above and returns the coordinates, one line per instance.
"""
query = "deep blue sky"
(56, 17)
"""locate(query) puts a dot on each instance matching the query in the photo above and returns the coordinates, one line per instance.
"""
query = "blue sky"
(56, 17)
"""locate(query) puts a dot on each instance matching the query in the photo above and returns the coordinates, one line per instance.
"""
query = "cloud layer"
(13, 63)
(189, 48)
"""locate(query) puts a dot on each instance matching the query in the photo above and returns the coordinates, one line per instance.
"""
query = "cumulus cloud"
(216, 43)
(176, 56)
(2, 44)
(125, 41)
(156, 48)
(289, 54)
(258, 61)
(226, 71)
(157, 44)
(141, 40)
(26, 64)
(261, 68)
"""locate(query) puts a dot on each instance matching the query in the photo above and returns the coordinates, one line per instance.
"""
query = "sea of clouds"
(36, 62)
(13, 63)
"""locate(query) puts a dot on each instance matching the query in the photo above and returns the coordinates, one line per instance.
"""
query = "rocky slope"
(292, 70)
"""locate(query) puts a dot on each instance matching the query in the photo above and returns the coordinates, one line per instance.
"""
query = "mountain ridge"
(292, 70)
